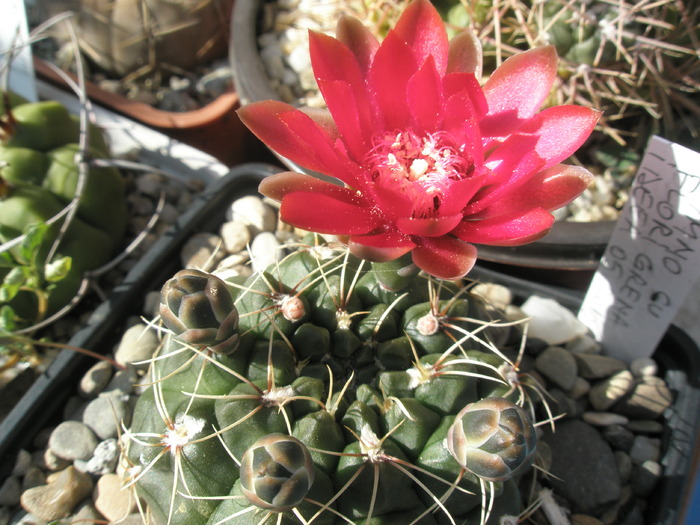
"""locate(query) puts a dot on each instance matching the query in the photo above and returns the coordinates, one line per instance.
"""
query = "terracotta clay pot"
(214, 129)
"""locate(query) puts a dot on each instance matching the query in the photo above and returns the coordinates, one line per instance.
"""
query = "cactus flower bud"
(199, 310)
(492, 438)
(276, 472)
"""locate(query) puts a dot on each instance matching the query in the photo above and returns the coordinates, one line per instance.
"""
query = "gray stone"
(604, 419)
(105, 458)
(236, 236)
(584, 344)
(264, 251)
(581, 388)
(645, 477)
(588, 484)
(644, 449)
(591, 366)
(619, 437)
(51, 462)
(648, 400)
(137, 346)
(558, 366)
(106, 413)
(95, 379)
(624, 465)
(72, 440)
(607, 392)
(643, 367)
(10, 490)
(56, 499)
(202, 251)
(123, 381)
(23, 463)
(254, 213)
(33, 478)
(645, 426)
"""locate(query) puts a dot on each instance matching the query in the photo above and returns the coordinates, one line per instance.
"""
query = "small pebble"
(111, 499)
(551, 321)
(648, 400)
(645, 477)
(619, 437)
(236, 236)
(643, 367)
(593, 366)
(23, 462)
(137, 346)
(606, 393)
(558, 366)
(645, 426)
(106, 414)
(10, 491)
(72, 440)
(265, 251)
(56, 499)
(645, 448)
(254, 213)
(604, 419)
(202, 251)
(95, 379)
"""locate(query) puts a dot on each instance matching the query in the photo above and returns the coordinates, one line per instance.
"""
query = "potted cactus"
(145, 43)
(361, 381)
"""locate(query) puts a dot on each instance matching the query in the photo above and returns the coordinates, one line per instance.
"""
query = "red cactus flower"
(431, 161)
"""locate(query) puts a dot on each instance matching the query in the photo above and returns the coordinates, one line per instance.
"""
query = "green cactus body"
(342, 400)
(39, 177)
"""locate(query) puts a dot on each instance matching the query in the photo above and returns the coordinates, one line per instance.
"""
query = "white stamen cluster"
(421, 168)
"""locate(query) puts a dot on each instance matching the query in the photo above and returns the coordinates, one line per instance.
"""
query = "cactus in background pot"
(136, 37)
(325, 391)
(46, 254)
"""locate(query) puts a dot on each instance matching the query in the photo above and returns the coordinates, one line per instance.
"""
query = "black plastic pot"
(571, 249)
(678, 358)
(43, 402)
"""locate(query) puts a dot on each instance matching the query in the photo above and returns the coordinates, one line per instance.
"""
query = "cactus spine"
(334, 391)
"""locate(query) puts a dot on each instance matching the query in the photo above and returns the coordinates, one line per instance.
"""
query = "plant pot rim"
(149, 115)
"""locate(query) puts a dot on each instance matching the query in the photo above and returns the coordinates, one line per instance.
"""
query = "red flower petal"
(424, 96)
(278, 185)
(465, 54)
(342, 85)
(421, 27)
(360, 40)
(323, 213)
(394, 64)
(549, 189)
(561, 130)
(517, 89)
(429, 227)
(456, 83)
(444, 257)
(506, 230)
(296, 136)
(381, 247)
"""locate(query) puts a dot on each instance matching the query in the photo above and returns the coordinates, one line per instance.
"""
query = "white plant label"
(653, 257)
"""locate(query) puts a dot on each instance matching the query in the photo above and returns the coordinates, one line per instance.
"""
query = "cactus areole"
(355, 381)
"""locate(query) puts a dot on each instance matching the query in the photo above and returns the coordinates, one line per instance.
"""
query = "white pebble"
(550, 321)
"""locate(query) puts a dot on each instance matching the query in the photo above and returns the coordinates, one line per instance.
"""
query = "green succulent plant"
(329, 390)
